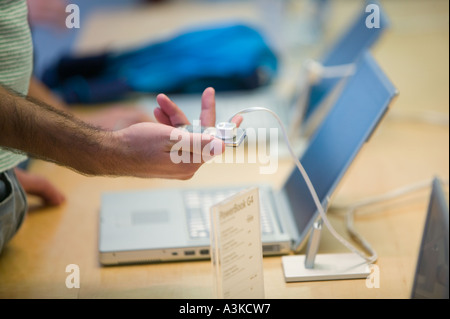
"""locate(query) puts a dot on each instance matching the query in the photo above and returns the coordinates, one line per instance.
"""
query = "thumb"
(206, 145)
(202, 147)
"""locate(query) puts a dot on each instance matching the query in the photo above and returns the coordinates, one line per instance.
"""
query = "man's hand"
(39, 186)
(154, 143)
(148, 151)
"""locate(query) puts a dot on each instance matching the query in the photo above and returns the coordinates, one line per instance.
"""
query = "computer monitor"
(336, 142)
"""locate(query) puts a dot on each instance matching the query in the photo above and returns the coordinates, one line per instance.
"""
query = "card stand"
(316, 267)
(236, 248)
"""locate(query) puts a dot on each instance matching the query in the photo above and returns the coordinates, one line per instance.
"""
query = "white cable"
(376, 199)
(392, 194)
(369, 259)
(423, 116)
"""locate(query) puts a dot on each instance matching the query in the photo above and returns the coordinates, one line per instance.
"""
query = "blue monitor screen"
(348, 125)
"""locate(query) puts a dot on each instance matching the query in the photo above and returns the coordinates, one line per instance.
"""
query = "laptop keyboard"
(198, 205)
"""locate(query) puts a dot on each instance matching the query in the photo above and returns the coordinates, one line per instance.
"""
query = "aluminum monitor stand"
(315, 267)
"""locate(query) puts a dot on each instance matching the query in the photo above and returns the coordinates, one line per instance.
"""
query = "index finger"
(169, 113)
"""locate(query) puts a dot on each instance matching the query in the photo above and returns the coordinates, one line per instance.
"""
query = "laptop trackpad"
(143, 220)
(141, 217)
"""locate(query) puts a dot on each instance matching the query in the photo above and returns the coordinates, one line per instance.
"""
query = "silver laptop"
(166, 224)
(431, 276)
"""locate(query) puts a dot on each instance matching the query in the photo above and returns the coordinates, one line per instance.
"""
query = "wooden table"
(405, 149)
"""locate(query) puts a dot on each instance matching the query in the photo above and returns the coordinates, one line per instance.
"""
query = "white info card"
(236, 249)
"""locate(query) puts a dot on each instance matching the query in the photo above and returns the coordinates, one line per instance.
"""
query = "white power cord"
(370, 259)
(377, 199)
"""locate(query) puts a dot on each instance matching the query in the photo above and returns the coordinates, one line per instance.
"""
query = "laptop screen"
(431, 277)
(348, 125)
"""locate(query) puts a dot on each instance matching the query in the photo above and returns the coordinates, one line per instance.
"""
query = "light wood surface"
(407, 148)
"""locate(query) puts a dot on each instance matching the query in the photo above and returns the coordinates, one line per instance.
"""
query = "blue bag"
(231, 57)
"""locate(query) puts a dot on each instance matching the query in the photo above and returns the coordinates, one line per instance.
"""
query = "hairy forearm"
(47, 133)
